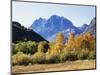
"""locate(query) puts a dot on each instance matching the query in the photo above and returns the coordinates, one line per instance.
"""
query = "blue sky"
(26, 12)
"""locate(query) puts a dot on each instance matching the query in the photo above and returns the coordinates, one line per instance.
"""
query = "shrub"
(71, 55)
(63, 56)
(68, 55)
(38, 58)
(14, 51)
(28, 47)
(20, 46)
(43, 46)
(31, 47)
(52, 58)
(83, 54)
(14, 60)
(92, 55)
(20, 59)
(93, 44)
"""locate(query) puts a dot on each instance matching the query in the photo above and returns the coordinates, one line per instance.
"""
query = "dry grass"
(69, 65)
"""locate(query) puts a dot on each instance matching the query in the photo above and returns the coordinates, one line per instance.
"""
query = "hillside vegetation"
(80, 47)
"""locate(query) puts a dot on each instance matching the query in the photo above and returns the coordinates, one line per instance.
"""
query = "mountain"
(50, 27)
(83, 27)
(92, 27)
(20, 33)
(38, 24)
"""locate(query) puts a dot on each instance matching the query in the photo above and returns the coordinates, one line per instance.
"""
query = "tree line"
(57, 51)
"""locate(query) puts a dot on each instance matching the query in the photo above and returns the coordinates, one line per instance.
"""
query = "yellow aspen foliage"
(56, 48)
(57, 45)
(60, 38)
(79, 40)
(90, 36)
(89, 41)
(71, 41)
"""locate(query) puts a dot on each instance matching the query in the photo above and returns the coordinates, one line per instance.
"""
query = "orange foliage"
(74, 43)
(58, 44)
(60, 38)
(71, 41)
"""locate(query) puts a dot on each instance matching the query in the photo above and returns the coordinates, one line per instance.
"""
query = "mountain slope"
(20, 33)
(92, 27)
(50, 27)
(83, 27)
